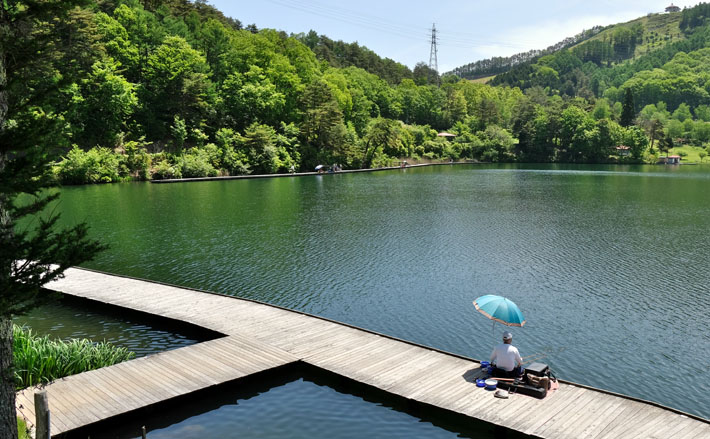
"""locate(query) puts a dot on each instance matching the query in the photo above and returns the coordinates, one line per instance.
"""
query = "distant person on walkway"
(506, 359)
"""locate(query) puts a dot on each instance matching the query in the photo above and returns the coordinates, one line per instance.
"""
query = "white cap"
(507, 336)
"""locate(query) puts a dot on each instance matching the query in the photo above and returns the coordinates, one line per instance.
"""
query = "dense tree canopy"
(169, 88)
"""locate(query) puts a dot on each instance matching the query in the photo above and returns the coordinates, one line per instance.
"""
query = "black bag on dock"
(523, 388)
(535, 381)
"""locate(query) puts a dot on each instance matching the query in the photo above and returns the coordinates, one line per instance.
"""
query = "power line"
(451, 38)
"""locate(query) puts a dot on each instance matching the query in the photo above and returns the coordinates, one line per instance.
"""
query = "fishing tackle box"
(538, 369)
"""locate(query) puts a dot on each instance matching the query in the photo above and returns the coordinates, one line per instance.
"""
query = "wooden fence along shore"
(260, 337)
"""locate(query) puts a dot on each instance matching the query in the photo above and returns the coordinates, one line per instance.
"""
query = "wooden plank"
(652, 425)
(449, 376)
(545, 412)
(408, 385)
(671, 428)
(73, 404)
(568, 415)
(123, 377)
(64, 409)
(239, 360)
(602, 406)
(250, 354)
(701, 430)
(208, 366)
(645, 415)
(518, 403)
(117, 394)
(188, 375)
(88, 391)
(691, 431)
(28, 406)
(623, 416)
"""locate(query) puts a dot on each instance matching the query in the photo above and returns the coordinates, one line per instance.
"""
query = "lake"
(609, 264)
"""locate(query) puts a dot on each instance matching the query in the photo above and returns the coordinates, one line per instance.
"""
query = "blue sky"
(467, 30)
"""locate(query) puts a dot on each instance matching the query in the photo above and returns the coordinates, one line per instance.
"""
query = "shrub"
(165, 170)
(97, 165)
(41, 359)
(196, 163)
(136, 160)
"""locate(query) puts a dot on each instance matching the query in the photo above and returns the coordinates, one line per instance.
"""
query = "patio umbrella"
(500, 309)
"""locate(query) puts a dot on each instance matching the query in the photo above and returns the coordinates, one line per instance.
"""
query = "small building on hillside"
(670, 160)
(447, 136)
(623, 150)
(672, 8)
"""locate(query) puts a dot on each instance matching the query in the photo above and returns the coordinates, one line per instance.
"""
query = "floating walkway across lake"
(261, 337)
(303, 174)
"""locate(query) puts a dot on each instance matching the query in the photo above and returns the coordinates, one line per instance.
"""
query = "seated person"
(506, 359)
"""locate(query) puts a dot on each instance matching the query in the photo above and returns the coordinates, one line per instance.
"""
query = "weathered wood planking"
(260, 337)
(90, 397)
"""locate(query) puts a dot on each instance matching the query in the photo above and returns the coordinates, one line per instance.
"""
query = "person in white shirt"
(506, 358)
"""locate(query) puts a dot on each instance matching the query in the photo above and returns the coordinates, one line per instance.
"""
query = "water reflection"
(71, 318)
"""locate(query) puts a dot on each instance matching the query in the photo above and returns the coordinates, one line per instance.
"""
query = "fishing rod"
(539, 356)
(546, 352)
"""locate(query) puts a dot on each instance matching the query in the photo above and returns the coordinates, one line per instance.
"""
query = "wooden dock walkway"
(259, 337)
(304, 174)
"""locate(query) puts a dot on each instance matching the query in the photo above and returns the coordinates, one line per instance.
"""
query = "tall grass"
(21, 429)
(41, 359)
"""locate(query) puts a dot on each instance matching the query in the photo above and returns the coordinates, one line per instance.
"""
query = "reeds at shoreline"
(40, 359)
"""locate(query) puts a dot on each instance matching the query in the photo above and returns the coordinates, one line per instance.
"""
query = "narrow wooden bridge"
(260, 337)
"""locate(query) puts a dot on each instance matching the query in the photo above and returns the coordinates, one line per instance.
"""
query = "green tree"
(384, 136)
(249, 98)
(655, 131)
(682, 113)
(259, 145)
(322, 128)
(636, 139)
(176, 83)
(628, 112)
(601, 110)
(703, 112)
(30, 133)
(665, 143)
(107, 101)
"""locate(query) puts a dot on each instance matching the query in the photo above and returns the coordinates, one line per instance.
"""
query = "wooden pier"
(261, 337)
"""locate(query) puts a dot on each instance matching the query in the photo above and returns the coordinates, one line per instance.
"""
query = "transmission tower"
(433, 61)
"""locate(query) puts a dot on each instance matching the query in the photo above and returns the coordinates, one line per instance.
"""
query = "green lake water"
(609, 264)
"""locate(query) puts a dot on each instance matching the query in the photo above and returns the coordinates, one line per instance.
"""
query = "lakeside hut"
(672, 8)
(623, 150)
(670, 160)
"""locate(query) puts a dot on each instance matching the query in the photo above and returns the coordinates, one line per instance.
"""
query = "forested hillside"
(500, 64)
(173, 88)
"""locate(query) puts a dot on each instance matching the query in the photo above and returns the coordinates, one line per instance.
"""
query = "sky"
(467, 31)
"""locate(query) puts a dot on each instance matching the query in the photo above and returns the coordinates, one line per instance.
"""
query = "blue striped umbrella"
(500, 309)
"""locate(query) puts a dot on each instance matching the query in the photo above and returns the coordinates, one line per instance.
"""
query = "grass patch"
(483, 80)
(41, 359)
(688, 153)
(21, 429)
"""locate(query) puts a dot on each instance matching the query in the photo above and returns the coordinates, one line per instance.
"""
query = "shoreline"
(305, 174)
